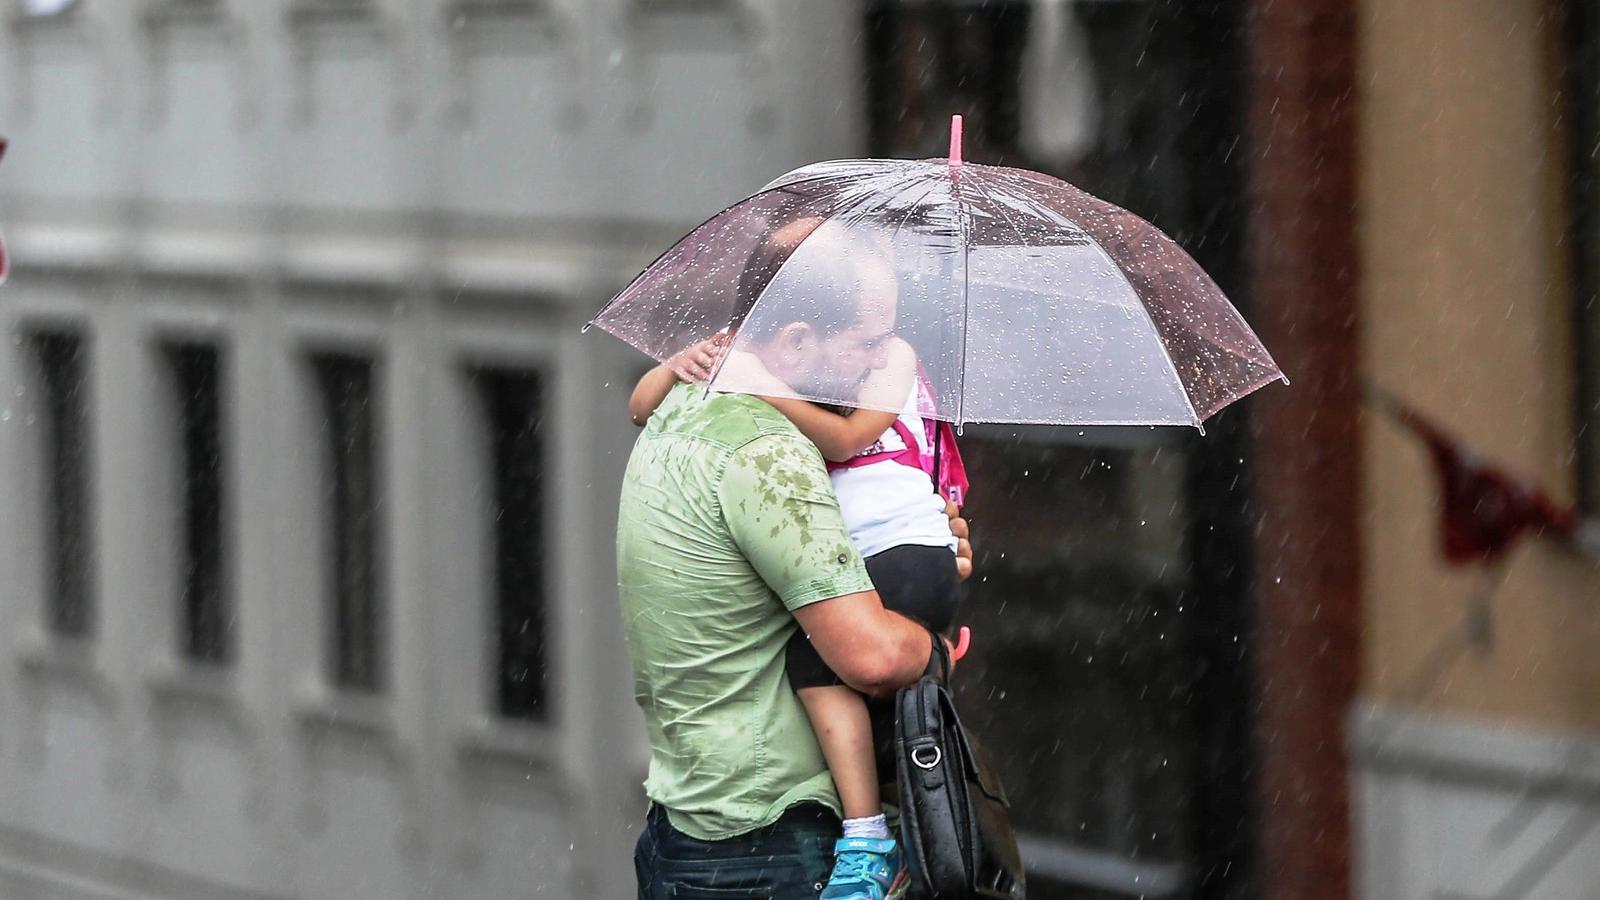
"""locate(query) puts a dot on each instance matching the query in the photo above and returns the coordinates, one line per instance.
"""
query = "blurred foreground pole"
(1303, 124)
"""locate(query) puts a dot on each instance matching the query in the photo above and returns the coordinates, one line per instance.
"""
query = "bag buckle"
(918, 760)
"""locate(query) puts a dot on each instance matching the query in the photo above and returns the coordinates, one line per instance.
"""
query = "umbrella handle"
(963, 642)
(955, 142)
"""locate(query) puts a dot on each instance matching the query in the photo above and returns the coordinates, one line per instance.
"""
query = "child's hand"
(696, 362)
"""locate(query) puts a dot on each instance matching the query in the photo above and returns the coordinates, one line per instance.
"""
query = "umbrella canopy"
(1025, 299)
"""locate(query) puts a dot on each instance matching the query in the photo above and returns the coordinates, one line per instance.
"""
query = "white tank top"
(890, 504)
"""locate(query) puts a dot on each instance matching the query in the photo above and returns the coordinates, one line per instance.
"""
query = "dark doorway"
(1111, 671)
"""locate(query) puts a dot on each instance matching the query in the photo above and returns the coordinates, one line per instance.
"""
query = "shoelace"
(855, 866)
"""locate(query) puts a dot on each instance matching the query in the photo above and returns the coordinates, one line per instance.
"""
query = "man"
(729, 537)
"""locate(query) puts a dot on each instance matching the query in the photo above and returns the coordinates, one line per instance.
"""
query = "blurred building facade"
(1475, 737)
(306, 579)
(309, 580)
(1424, 198)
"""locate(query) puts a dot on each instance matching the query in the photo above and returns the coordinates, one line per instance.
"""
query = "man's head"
(822, 322)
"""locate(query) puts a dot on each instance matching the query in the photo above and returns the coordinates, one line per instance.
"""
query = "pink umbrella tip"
(955, 141)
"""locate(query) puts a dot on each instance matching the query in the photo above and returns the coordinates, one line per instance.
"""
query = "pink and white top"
(886, 492)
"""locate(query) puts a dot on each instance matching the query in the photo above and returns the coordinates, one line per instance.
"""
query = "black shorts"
(917, 582)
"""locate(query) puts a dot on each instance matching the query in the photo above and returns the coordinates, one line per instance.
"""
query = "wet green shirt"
(727, 524)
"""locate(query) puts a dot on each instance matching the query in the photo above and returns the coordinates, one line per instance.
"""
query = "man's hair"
(764, 262)
(826, 295)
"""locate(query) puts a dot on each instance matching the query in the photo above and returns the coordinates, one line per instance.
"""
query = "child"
(883, 466)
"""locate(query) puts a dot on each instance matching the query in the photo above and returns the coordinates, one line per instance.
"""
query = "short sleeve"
(781, 512)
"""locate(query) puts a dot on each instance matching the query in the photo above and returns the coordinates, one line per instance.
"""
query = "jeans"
(787, 860)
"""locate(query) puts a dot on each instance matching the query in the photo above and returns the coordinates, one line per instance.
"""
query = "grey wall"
(439, 184)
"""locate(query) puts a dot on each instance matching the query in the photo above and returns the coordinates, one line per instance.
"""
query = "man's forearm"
(906, 649)
(870, 648)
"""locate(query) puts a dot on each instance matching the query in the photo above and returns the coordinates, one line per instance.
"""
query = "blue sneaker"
(867, 869)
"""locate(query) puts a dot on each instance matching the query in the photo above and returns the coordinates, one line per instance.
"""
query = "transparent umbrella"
(1025, 299)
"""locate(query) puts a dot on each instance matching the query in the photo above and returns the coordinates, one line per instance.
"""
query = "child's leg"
(839, 718)
(843, 729)
(920, 582)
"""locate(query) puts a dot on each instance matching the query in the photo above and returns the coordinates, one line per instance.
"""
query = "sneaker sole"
(902, 884)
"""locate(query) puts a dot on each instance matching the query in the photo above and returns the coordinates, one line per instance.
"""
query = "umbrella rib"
(966, 310)
(1045, 210)
(999, 208)
(966, 323)
(879, 194)
(820, 176)
(1149, 318)
(668, 252)
(895, 235)
(1161, 340)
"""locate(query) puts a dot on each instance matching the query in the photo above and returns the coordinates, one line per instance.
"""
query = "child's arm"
(841, 437)
(694, 364)
(649, 392)
(838, 437)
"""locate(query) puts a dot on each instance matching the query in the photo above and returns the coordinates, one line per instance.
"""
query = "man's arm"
(872, 649)
(781, 512)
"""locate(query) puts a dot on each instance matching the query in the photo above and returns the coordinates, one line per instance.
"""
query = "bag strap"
(938, 667)
(949, 472)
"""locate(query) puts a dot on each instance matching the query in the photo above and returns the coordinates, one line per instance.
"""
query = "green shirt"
(728, 523)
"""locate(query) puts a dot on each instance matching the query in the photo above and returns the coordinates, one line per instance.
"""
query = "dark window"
(63, 420)
(1583, 100)
(512, 409)
(353, 491)
(207, 615)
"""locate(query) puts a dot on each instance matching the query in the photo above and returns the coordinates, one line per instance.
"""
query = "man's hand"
(958, 527)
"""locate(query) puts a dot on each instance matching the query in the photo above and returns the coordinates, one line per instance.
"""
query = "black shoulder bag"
(954, 827)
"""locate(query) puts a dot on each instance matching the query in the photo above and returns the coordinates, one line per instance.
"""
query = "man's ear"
(789, 353)
(796, 338)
